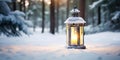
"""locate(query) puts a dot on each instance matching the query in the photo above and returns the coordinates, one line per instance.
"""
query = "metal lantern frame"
(75, 30)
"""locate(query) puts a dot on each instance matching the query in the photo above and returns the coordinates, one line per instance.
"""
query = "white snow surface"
(38, 46)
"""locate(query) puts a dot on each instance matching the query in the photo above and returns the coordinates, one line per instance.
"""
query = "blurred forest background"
(100, 15)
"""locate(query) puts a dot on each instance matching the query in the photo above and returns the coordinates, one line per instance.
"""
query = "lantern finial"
(75, 12)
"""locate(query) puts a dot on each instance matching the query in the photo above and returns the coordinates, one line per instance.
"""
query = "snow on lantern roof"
(76, 20)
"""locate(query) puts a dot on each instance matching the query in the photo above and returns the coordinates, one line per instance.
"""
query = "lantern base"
(77, 47)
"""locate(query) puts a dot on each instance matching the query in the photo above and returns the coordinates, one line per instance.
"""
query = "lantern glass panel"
(81, 35)
(68, 34)
(74, 36)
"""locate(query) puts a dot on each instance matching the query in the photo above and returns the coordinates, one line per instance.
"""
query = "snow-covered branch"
(11, 23)
(96, 3)
(116, 15)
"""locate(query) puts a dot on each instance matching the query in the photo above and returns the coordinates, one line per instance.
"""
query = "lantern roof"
(76, 20)
(75, 17)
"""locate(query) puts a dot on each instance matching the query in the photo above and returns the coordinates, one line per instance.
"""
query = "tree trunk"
(57, 16)
(43, 15)
(20, 5)
(63, 18)
(24, 7)
(14, 6)
(82, 8)
(67, 9)
(52, 17)
(99, 15)
(93, 20)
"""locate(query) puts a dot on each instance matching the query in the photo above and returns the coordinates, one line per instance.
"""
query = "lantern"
(75, 30)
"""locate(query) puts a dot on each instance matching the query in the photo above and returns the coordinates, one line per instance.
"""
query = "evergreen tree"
(11, 23)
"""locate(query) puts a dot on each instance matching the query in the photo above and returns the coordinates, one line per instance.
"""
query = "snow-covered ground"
(100, 46)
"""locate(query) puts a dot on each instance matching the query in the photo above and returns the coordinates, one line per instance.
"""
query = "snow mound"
(100, 46)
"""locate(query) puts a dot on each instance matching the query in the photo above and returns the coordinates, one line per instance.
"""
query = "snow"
(18, 13)
(116, 15)
(16, 17)
(34, 7)
(19, 17)
(100, 46)
(75, 11)
(95, 4)
(13, 21)
(29, 12)
(72, 20)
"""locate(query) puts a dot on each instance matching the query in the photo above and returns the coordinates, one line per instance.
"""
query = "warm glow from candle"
(74, 39)
(73, 36)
